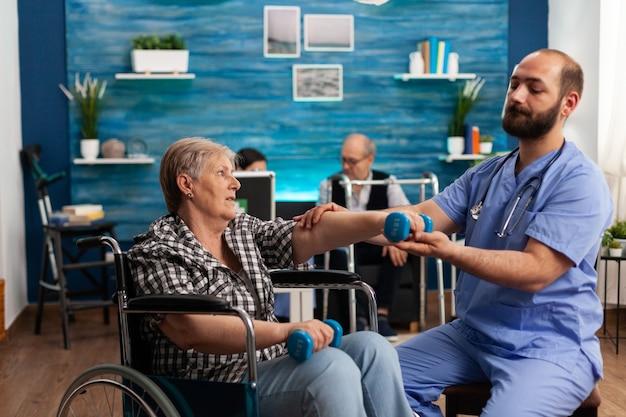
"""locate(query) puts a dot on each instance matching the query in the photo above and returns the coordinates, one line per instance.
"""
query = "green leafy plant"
(614, 244)
(607, 238)
(618, 230)
(486, 138)
(170, 41)
(87, 93)
(466, 98)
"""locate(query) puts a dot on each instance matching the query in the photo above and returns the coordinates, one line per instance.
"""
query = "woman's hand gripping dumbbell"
(300, 343)
(398, 226)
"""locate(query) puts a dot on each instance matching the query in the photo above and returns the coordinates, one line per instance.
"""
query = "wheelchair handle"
(300, 342)
(398, 226)
(95, 241)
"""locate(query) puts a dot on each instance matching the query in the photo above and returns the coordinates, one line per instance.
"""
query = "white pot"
(90, 148)
(456, 145)
(160, 60)
(486, 147)
(615, 252)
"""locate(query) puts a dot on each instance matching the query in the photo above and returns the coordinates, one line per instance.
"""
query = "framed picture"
(318, 82)
(329, 32)
(281, 31)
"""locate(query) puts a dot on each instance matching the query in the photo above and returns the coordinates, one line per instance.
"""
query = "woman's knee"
(335, 365)
(369, 346)
(337, 383)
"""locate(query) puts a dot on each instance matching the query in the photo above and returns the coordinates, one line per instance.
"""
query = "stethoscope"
(531, 184)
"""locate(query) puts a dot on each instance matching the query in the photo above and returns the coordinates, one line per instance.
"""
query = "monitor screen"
(256, 195)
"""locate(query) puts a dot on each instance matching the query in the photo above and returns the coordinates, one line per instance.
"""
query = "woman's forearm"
(219, 334)
(336, 229)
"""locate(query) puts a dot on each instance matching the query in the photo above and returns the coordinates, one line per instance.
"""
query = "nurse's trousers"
(442, 357)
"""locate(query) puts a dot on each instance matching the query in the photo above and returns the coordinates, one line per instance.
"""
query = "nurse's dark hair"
(571, 74)
(187, 156)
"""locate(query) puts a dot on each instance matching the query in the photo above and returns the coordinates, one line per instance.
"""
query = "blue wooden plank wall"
(242, 99)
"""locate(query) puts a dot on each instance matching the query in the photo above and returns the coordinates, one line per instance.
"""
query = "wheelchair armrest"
(185, 303)
(313, 277)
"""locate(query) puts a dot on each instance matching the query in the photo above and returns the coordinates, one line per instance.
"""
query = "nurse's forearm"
(530, 270)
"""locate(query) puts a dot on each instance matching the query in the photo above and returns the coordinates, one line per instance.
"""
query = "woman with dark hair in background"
(250, 159)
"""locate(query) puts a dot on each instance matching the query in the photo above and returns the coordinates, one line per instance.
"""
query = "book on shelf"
(80, 209)
(475, 139)
(435, 53)
(60, 218)
(469, 140)
(425, 50)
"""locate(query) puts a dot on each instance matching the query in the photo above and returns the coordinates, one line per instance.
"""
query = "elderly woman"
(204, 246)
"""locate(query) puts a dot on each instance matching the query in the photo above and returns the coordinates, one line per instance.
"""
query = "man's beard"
(521, 123)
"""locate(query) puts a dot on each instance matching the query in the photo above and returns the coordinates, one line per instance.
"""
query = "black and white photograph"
(281, 31)
(318, 82)
(329, 32)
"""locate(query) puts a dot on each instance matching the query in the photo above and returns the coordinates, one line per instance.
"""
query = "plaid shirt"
(168, 259)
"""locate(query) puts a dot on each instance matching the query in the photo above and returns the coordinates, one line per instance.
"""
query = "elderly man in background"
(357, 156)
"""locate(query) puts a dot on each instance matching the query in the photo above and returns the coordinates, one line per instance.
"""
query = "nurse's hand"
(434, 244)
(313, 216)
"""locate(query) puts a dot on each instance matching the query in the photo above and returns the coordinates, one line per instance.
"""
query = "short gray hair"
(187, 156)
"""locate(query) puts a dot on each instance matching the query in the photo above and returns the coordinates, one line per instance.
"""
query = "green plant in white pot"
(486, 144)
(615, 248)
(618, 231)
(465, 100)
(160, 54)
(87, 94)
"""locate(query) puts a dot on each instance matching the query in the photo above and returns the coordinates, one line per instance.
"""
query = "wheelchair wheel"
(115, 391)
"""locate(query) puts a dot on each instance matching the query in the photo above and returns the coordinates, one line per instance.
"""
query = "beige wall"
(12, 243)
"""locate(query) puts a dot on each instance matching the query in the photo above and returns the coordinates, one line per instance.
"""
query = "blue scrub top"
(570, 212)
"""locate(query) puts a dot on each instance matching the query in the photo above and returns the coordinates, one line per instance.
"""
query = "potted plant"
(607, 238)
(153, 53)
(486, 144)
(87, 93)
(466, 98)
(615, 248)
(618, 232)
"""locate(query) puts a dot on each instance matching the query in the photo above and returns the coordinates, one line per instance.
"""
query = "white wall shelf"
(462, 157)
(449, 77)
(154, 76)
(113, 161)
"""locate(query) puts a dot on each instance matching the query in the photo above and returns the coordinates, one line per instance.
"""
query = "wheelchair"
(130, 389)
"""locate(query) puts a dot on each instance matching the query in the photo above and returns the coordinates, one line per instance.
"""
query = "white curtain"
(612, 101)
(612, 126)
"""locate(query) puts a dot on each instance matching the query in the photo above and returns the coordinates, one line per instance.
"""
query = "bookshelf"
(450, 77)
(114, 161)
(462, 157)
(154, 76)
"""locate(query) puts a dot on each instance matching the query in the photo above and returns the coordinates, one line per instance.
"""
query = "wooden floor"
(36, 370)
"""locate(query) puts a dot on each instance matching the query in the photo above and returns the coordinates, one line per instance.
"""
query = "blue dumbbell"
(300, 343)
(398, 226)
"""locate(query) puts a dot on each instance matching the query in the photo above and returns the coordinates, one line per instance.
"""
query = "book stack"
(436, 54)
(77, 215)
(472, 139)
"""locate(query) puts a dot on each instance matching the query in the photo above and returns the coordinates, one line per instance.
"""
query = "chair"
(470, 399)
(60, 259)
(108, 388)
